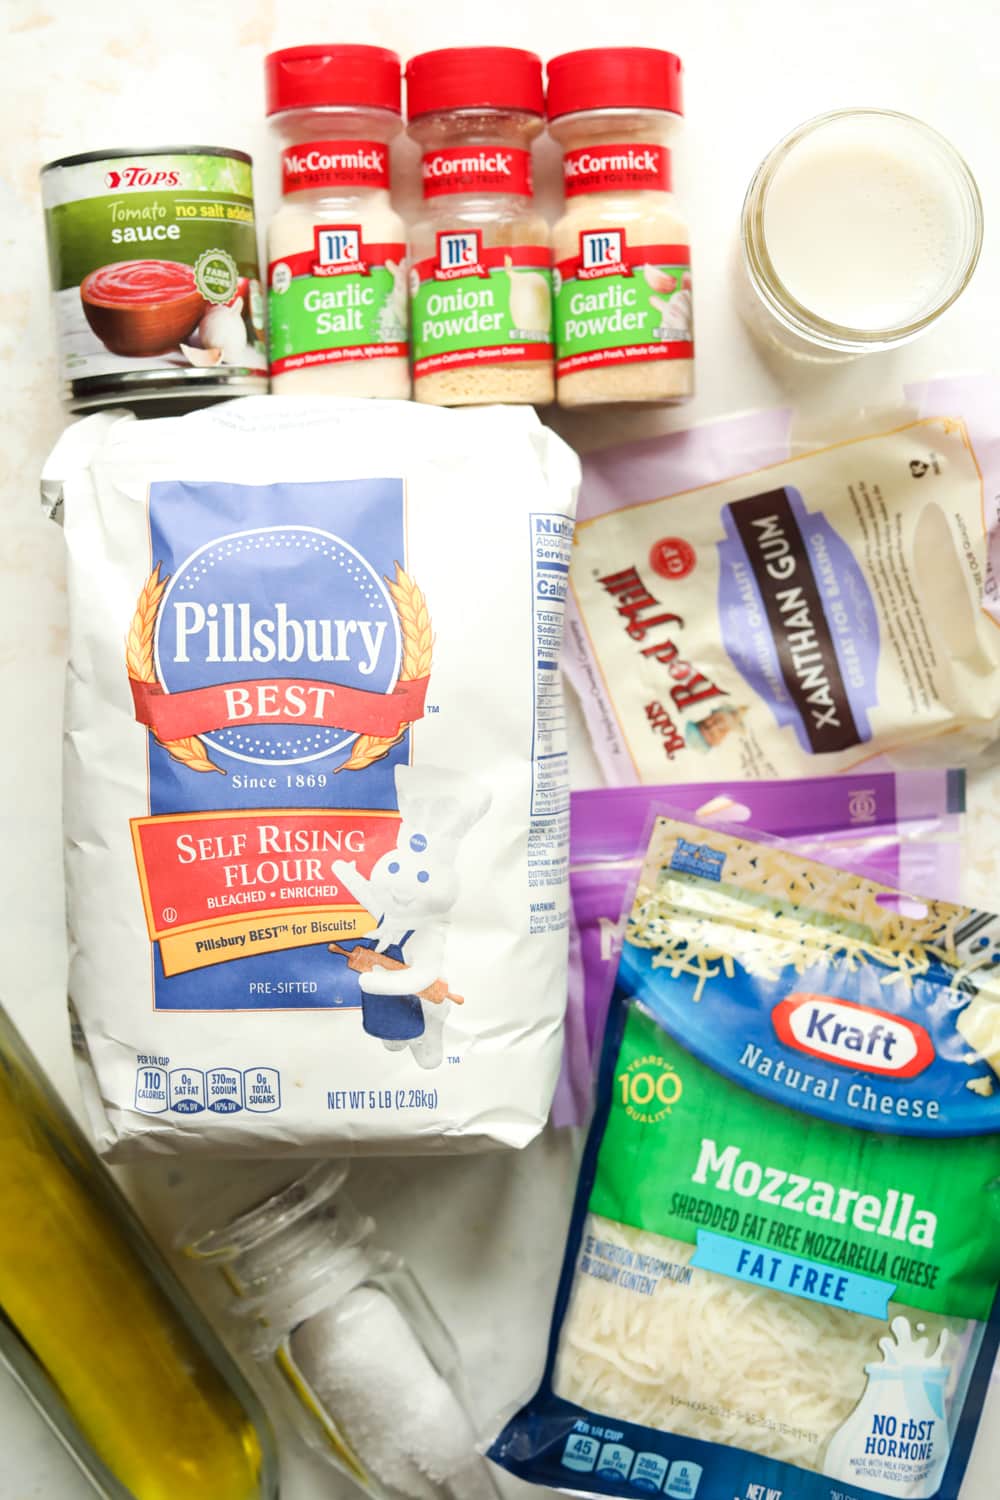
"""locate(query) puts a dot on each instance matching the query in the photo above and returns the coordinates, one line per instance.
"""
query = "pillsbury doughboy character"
(409, 892)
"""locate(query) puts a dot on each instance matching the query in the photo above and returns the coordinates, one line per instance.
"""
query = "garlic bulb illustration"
(675, 315)
(398, 295)
(221, 333)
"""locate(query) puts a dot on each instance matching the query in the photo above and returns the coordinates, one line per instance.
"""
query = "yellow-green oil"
(103, 1318)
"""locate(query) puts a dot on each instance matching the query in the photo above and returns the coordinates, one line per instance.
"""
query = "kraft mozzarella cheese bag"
(316, 800)
(782, 1272)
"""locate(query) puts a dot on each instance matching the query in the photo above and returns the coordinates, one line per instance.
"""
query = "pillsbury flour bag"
(316, 802)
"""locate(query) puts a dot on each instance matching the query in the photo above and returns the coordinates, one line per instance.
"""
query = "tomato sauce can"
(155, 278)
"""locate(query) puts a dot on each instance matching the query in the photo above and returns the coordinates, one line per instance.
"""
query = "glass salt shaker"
(364, 1367)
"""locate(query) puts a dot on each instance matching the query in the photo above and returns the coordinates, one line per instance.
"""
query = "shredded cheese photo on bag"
(783, 1263)
(796, 620)
(316, 780)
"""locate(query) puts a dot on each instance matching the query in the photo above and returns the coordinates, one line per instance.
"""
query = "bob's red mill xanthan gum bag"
(315, 772)
(737, 613)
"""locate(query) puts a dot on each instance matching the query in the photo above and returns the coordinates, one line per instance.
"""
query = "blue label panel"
(793, 1274)
(282, 582)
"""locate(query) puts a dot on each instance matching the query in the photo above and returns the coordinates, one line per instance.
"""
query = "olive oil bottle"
(97, 1329)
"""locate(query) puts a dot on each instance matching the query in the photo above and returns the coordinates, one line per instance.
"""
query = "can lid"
(474, 78)
(343, 75)
(614, 78)
(118, 153)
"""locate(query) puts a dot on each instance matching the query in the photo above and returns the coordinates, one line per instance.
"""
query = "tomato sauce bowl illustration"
(140, 308)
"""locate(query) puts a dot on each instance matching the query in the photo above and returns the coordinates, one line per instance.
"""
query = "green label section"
(316, 313)
(508, 308)
(650, 306)
(159, 225)
(685, 1149)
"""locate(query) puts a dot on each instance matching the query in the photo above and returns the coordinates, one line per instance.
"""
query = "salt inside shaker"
(367, 1371)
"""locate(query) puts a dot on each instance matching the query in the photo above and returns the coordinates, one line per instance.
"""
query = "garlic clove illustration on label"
(201, 358)
(659, 281)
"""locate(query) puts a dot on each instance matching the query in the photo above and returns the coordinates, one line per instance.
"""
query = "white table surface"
(486, 1234)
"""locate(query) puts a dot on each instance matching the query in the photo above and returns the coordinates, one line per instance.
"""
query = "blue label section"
(281, 580)
(818, 560)
(793, 1274)
(553, 1442)
(649, 1472)
(698, 859)
(270, 582)
(741, 1043)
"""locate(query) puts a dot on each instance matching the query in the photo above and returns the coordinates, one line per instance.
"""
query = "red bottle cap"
(314, 77)
(614, 78)
(474, 78)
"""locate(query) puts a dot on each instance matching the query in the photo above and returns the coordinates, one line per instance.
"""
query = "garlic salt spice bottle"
(480, 277)
(623, 315)
(336, 248)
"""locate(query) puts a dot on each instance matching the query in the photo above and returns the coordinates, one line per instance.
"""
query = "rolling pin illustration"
(362, 959)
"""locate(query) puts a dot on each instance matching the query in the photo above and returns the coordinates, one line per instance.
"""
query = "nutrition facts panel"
(551, 540)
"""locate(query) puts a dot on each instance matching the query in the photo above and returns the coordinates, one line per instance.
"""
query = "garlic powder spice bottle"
(623, 315)
(480, 276)
(336, 248)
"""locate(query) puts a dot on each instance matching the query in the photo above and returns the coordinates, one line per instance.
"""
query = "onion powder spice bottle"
(337, 299)
(622, 280)
(480, 277)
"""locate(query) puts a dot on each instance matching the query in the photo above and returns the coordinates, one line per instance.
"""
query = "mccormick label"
(316, 164)
(476, 305)
(619, 303)
(343, 300)
(477, 169)
(278, 654)
(609, 169)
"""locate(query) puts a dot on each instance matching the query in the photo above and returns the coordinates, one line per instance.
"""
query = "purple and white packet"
(902, 829)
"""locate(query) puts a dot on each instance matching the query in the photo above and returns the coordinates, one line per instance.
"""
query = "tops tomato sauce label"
(155, 274)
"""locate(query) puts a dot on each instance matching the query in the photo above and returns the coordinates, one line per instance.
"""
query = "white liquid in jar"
(864, 224)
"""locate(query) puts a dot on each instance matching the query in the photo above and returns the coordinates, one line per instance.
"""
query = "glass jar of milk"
(858, 230)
